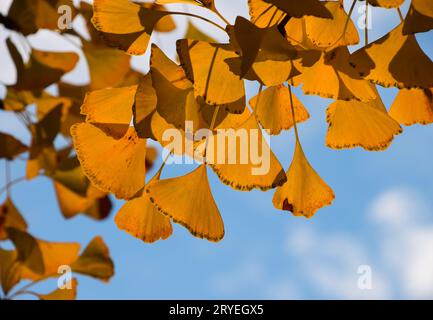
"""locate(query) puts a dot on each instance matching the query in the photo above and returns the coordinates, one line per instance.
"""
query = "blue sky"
(382, 216)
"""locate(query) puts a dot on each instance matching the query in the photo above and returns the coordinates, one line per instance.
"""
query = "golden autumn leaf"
(395, 60)
(194, 208)
(204, 65)
(272, 108)
(264, 52)
(62, 294)
(370, 126)
(95, 261)
(332, 33)
(413, 106)
(40, 258)
(304, 192)
(28, 16)
(227, 156)
(124, 174)
(125, 24)
(43, 69)
(332, 77)
(142, 219)
(10, 217)
(263, 14)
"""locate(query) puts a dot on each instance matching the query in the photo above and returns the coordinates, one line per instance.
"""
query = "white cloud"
(407, 245)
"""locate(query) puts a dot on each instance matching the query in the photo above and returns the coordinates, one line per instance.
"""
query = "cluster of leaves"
(48, 118)
(285, 43)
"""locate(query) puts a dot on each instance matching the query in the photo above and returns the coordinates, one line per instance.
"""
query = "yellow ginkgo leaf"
(304, 192)
(113, 165)
(332, 77)
(71, 203)
(296, 34)
(413, 106)
(141, 218)
(332, 33)
(111, 106)
(363, 124)
(98, 58)
(204, 64)
(298, 9)
(272, 108)
(95, 261)
(125, 24)
(28, 16)
(263, 14)
(43, 69)
(10, 268)
(386, 3)
(242, 159)
(75, 194)
(176, 102)
(419, 18)
(62, 294)
(10, 147)
(394, 60)
(264, 50)
(41, 258)
(188, 201)
(145, 104)
(10, 217)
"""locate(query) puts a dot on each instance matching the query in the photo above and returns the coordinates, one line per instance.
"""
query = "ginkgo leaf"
(145, 104)
(419, 18)
(213, 81)
(272, 108)
(166, 24)
(44, 68)
(304, 192)
(176, 102)
(124, 173)
(98, 58)
(413, 106)
(94, 204)
(29, 16)
(264, 50)
(111, 106)
(39, 258)
(62, 294)
(188, 201)
(242, 159)
(192, 32)
(95, 261)
(9, 270)
(363, 124)
(333, 77)
(42, 154)
(125, 24)
(75, 194)
(141, 218)
(10, 217)
(332, 33)
(394, 60)
(298, 9)
(263, 14)
(10, 147)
